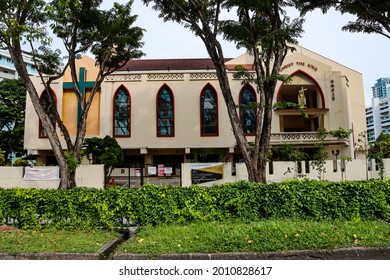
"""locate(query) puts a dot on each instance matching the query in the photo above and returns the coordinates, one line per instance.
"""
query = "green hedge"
(115, 207)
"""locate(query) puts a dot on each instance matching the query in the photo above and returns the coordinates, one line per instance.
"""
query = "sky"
(365, 53)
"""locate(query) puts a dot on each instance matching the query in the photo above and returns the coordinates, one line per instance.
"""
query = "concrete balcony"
(303, 138)
(7, 74)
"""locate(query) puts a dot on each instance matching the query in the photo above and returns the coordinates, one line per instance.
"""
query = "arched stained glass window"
(50, 110)
(122, 113)
(248, 110)
(209, 112)
(165, 113)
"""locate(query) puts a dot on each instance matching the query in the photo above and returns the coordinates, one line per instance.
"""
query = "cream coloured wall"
(345, 108)
(86, 176)
(285, 170)
(87, 62)
(32, 142)
(322, 74)
(186, 109)
(67, 108)
(355, 90)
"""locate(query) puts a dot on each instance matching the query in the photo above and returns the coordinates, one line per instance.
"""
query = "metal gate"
(130, 176)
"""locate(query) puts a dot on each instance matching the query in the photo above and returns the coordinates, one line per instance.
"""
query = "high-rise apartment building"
(378, 114)
(381, 88)
(7, 67)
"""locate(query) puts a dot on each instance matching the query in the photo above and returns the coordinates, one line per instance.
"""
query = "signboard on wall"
(41, 173)
(152, 170)
(206, 172)
(168, 171)
(160, 169)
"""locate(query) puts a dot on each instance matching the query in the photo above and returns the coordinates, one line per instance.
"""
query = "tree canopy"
(372, 16)
(104, 151)
(110, 36)
(12, 111)
(381, 147)
(265, 30)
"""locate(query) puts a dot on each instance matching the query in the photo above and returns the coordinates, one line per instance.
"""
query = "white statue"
(302, 98)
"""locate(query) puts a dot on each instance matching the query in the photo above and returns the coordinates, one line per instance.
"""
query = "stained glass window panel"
(165, 117)
(122, 113)
(248, 110)
(209, 114)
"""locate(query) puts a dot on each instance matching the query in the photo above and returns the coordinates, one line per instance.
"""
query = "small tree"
(319, 158)
(104, 151)
(343, 166)
(289, 152)
(342, 134)
(362, 146)
(383, 141)
(380, 150)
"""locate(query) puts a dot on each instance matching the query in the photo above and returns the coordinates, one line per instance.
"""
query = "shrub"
(116, 207)
(2, 158)
(21, 162)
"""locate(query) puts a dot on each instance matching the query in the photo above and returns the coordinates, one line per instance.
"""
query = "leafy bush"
(2, 158)
(21, 162)
(116, 207)
(105, 151)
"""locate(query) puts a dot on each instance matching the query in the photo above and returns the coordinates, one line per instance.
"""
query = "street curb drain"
(109, 248)
(335, 254)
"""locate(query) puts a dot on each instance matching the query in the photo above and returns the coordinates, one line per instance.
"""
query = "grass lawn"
(51, 240)
(261, 236)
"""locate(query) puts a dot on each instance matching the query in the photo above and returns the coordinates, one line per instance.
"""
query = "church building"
(172, 111)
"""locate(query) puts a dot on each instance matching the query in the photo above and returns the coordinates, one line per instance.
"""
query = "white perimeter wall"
(86, 176)
(354, 170)
(93, 175)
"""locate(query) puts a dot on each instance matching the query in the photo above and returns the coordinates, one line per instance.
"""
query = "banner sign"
(206, 172)
(41, 173)
(160, 169)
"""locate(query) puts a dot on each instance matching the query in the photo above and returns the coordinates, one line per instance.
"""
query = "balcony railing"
(303, 138)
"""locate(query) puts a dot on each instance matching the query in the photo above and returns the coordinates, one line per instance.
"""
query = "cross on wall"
(83, 86)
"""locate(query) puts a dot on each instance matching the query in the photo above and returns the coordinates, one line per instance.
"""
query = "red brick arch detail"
(279, 97)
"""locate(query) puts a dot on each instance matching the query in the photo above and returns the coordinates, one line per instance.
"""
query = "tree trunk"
(72, 179)
(16, 54)
(216, 54)
(64, 177)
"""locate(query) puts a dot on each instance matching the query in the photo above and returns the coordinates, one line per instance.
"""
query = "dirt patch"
(7, 228)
